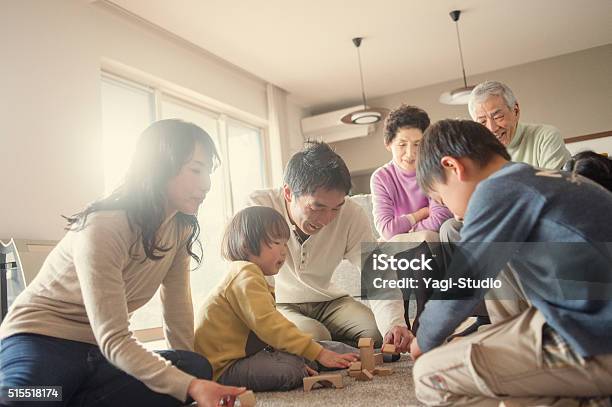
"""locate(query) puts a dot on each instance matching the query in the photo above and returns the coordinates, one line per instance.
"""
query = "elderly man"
(493, 105)
(326, 228)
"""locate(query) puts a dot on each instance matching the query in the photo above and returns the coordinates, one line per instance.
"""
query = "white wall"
(50, 111)
(50, 124)
(572, 92)
(599, 145)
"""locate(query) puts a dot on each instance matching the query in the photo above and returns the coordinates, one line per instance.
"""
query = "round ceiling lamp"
(367, 115)
(459, 96)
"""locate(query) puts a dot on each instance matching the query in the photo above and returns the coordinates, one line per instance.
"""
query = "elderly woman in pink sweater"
(402, 212)
(399, 205)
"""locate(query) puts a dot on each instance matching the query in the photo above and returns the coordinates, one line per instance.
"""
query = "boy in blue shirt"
(552, 231)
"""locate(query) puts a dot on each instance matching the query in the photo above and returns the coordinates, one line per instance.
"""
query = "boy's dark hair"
(317, 166)
(593, 166)
(249, 228)
(458, 139)
(405, 116)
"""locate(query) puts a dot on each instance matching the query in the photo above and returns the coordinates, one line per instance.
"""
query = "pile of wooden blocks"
(370, 365)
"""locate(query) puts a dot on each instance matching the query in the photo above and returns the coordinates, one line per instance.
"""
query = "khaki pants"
(504, 362)
(509, 300)
(343, 319)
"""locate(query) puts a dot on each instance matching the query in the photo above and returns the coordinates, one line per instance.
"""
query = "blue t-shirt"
(519, 206)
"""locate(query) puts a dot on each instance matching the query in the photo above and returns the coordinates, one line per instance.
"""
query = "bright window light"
(127, 109)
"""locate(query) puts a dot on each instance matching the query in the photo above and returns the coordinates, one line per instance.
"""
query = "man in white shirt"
(326, 228)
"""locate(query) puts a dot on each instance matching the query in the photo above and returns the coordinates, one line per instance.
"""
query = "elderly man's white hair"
(487, 89)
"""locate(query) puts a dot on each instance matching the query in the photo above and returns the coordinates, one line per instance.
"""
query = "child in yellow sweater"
(248, 342)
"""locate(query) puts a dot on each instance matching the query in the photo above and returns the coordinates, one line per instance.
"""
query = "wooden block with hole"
(365, 342)
(388, 348)
(378, 359)
(382, 371)
(325, 380)
(247, 399)
(364, 376)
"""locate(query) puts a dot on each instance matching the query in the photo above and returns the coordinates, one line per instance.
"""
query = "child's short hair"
(457, 139)
(405, 116)
(248, 228)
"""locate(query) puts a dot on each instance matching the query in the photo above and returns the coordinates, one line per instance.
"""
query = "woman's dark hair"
(317, 166)
(249, 228)
(593, 166)
(405, 116)
(162, 150)
(454, 138)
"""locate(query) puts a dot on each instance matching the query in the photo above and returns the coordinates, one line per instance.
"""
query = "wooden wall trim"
(589, 137)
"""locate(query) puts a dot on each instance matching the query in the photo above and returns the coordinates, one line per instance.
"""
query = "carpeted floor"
(394, 390)
(383, 391)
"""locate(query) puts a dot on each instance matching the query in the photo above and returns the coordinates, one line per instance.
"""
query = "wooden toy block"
(354, 373)
(388, 348)
(365, 342)
(365, 376)
(383, 371)
(378, 359)
(366, 354)
(325, 380)
(354, 369)
(247, 399)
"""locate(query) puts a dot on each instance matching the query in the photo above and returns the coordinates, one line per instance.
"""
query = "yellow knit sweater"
(239, 319)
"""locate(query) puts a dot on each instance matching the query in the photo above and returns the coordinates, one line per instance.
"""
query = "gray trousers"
(274, 370)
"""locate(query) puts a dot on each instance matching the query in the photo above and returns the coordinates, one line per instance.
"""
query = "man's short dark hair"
(317, 166)
(405, 116)
(457, 139)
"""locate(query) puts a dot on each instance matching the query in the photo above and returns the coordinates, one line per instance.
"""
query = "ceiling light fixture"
(459, 96)
(367, 115)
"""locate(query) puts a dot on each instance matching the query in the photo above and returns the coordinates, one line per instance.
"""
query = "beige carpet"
(394, 390)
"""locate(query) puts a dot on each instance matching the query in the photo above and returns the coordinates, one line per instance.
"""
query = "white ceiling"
(305, 47)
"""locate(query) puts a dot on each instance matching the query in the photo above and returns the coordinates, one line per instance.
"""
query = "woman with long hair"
(70, 328)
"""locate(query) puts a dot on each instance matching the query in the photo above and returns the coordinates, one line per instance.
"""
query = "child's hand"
(415, 350)
(338, 360)
(311, 371)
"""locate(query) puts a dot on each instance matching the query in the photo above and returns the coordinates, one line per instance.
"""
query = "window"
(127, 109)
(245, 166)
